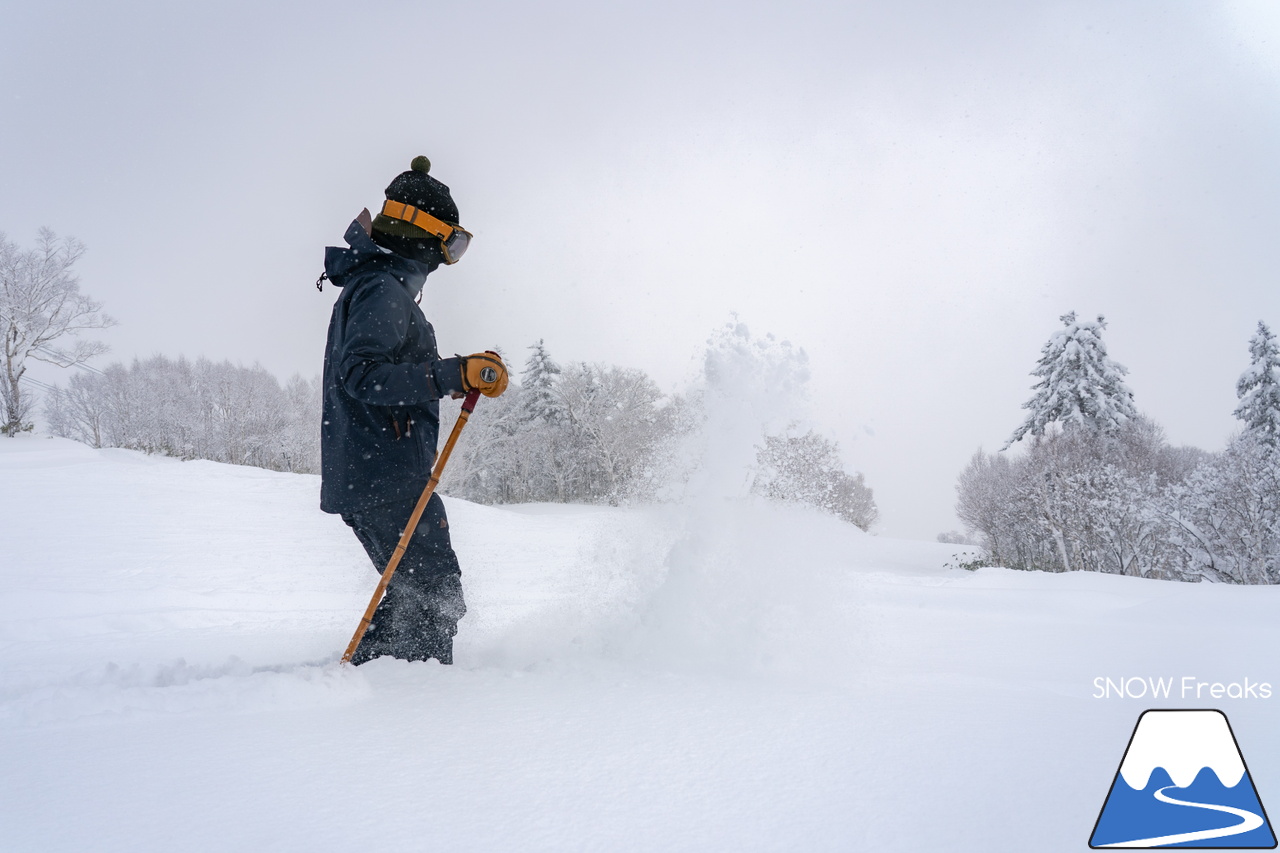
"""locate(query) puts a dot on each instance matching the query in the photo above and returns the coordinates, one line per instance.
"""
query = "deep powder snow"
(714, 674)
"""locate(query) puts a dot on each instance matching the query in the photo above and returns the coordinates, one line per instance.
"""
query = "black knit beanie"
(415, 187)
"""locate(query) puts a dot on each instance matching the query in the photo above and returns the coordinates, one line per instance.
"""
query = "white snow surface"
(1183, 743)
(722, 674)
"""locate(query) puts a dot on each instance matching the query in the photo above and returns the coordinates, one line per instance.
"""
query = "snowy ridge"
(1183, 743)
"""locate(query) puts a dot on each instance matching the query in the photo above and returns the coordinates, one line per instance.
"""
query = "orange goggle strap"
(419, 218)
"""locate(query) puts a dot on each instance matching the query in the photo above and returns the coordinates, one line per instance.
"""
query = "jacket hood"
(366, 256)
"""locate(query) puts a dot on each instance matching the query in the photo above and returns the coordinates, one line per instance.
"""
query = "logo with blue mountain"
(1183, 783)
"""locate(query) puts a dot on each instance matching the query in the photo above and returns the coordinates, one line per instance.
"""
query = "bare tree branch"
(42, 314)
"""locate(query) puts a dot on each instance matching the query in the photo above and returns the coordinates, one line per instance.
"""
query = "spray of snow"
(752, 387)
(716, 580)
(739, 589)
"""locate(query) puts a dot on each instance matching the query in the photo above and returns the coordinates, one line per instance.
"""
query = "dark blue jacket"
(383, 378)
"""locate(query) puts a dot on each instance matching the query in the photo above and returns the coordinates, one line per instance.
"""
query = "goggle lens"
(456, 246)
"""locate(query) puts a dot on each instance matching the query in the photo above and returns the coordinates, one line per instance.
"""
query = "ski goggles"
(453, 240)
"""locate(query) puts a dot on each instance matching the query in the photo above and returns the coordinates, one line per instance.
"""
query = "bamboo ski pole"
(468, 405)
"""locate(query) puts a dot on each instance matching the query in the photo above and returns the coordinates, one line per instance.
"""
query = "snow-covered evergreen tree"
(1107, 493)
(538, 381)
(1080, 386)
(579, 433)
(1259, 389)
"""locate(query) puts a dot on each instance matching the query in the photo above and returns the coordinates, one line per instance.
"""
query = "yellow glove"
(486, 372)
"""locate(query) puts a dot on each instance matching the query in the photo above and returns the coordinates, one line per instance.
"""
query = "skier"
(383, 378)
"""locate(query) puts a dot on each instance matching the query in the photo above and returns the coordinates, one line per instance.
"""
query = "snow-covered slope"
(720, 675)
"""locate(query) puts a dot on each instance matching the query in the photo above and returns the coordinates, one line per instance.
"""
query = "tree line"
(1099, 488)
(193, 410)
(582, 433)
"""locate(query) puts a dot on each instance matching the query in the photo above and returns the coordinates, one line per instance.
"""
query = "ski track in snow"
(725, 676)
(179, 688)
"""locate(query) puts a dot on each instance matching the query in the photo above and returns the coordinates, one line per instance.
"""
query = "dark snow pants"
(419, 614)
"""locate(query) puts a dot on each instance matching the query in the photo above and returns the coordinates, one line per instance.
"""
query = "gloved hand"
(486, 372)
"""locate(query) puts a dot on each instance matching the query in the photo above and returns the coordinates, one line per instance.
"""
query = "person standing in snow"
(383, 379)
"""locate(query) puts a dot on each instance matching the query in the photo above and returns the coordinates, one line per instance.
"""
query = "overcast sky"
(912, 192)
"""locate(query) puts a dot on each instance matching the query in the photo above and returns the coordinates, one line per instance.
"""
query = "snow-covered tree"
(1107, 493)
(193, 410)
(991, 501)
(615, 419)
(491, 464)
(1080, 386)
(807, 469)
(1227, 514)
(538, 382)
(582, 433)
(42, 313)
(299, 441)
(1259, 389)
(1081, 501)
(78, 411)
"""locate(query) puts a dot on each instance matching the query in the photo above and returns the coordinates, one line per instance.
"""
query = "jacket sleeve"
(376, 325)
